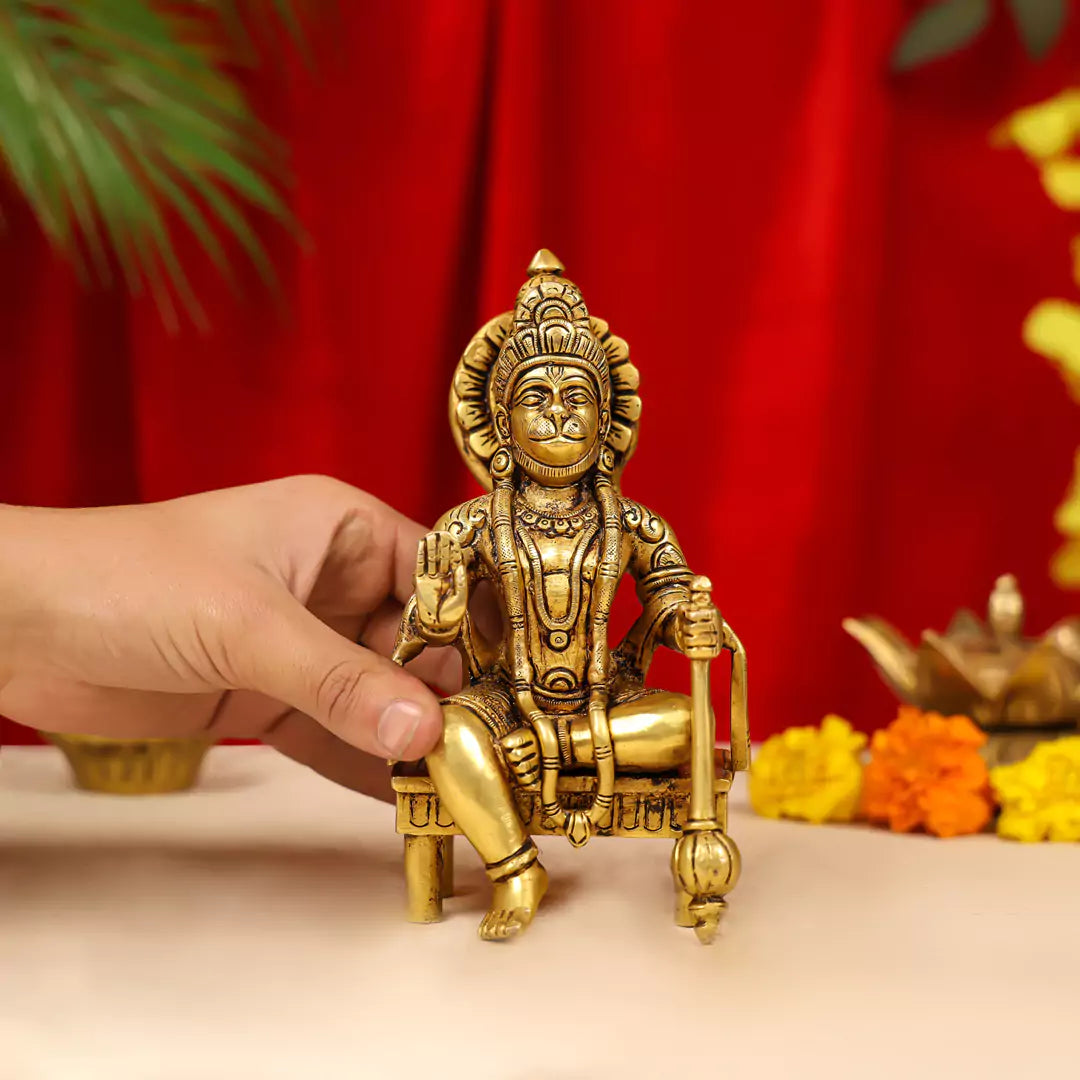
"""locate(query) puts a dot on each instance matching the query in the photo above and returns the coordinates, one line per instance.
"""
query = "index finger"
(367, 550)
(374, 552)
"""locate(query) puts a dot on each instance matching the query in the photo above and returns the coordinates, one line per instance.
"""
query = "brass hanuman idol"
(556, 733)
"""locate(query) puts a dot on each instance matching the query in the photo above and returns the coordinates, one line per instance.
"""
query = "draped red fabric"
(821, 270)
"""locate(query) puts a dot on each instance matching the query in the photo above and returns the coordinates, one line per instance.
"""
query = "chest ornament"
(554, 525)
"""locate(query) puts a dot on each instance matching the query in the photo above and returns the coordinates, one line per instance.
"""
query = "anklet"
(514, 864)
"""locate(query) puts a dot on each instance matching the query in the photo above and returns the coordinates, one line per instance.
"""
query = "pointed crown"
(550, 322)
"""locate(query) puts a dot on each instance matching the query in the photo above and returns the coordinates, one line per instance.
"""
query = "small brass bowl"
(132, 766)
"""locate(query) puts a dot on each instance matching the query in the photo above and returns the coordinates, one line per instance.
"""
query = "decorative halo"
(470, 411)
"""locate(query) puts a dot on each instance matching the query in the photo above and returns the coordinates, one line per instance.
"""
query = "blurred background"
(822, 264)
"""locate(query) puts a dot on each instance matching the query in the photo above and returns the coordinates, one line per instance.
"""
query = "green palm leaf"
(118, 118)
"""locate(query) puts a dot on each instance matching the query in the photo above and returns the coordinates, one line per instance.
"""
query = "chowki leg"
(705, 862)
(446, 866)
(423, 878)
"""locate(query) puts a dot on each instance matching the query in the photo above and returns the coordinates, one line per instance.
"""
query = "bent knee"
(652, 733)
(463, 731)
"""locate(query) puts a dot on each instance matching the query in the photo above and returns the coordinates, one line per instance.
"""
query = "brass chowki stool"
(645, 806)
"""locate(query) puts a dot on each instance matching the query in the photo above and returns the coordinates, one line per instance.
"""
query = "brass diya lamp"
(132, 766)
(1019, 690)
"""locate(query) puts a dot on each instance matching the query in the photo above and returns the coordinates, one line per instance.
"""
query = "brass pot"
(132, 766)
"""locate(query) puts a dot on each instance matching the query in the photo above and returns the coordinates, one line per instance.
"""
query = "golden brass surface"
(132, 766)
(1018, 689)
(655, 806)
(556, 733)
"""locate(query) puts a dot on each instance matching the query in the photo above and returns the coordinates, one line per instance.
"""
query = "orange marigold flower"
(925, 771)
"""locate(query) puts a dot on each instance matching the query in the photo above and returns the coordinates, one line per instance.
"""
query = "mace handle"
(703, 722)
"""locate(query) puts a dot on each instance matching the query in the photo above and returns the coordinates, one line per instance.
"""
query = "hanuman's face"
(555, 415)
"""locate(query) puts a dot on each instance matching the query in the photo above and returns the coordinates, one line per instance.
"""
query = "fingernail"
(398, 725)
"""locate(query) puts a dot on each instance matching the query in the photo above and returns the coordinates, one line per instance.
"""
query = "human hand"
(231, 614)
(442, 591)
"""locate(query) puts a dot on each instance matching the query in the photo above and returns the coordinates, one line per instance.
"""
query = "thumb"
(360, 696)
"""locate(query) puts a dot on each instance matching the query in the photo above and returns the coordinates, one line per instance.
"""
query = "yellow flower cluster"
(809, 773)
(1047, 133)
(1040, 796)
(924, 772)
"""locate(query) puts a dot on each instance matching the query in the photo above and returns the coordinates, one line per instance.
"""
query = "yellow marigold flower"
(1052, 329)
(1040, 796)
(1074, 249)
(809, 773)
(1061, 181)
(1067, 515)
(1065, 565)
(1043, 130)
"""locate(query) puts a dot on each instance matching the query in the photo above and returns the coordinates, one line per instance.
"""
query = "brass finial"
(545, 262)
(1005, 612)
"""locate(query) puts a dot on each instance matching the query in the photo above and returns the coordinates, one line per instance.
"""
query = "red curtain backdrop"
(821, 270)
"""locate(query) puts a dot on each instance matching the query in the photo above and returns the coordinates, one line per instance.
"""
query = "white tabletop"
(254, 930)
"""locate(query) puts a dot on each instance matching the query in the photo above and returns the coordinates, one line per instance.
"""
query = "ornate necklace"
(554, 524)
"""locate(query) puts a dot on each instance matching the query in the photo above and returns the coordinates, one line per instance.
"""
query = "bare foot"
(514, 903)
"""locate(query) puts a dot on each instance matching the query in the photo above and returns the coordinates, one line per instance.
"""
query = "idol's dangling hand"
(442, 590)
(699, 630)
(522, 752)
